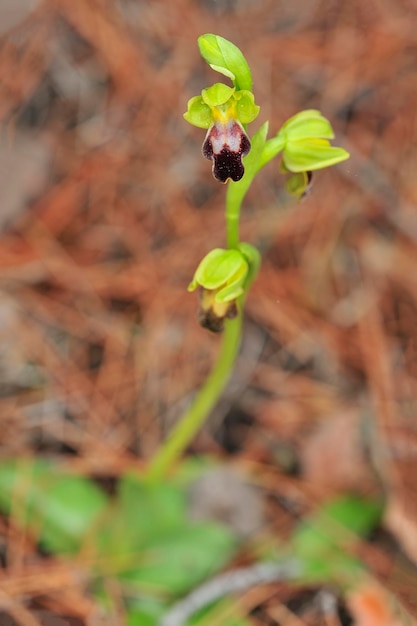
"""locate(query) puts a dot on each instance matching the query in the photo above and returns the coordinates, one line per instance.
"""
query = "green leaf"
(324, 543)
(307, 155)
(138, 617)
(141, 513)
(225, 612)
(145, 612)
(151, 509)
(149, 612)
(358, 515)
(226, 58)
(180, 559)
(59, 508)
(69, 510)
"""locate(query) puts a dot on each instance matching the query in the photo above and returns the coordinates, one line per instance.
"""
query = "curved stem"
(206, 398)
(191, 422)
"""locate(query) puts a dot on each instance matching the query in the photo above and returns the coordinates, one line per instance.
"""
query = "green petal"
(306, 124)
(218, 267)
(217, 94)
(311, 154)
(229, 293)
(250, 253)
(224, 57)
(222, 70)
(247, 110)
(198, 113)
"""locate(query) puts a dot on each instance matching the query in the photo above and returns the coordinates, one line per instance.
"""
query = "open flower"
(221, 277)
(223, 110)
(304, 140)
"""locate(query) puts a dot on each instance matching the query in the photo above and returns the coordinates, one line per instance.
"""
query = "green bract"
(226, 58)
(222, 271)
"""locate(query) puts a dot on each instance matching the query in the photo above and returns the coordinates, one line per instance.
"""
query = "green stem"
(203, 403)
(191, 422)
(232, 228)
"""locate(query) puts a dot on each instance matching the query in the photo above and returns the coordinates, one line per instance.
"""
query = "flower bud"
(221, 277)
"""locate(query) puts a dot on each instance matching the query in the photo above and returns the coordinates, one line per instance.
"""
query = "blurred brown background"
(107, 207)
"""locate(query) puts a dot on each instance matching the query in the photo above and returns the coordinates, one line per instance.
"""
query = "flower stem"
(232, 226)
(203, 403)
(191, 422)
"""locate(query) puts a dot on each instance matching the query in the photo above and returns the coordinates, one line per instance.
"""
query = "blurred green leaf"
(222, 613)
(59, 508)
(180, 559)
(323, 543)
(151, 509)
(141, 513)
(145, 612)
(148, 612)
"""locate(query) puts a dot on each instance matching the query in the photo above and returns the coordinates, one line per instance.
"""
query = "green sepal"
(306, 124)
(223, 270)
(226, 58)
(198, 113)
(217, 94)
(250, 253)
(311, 154)
(253, 257)
(247, 110)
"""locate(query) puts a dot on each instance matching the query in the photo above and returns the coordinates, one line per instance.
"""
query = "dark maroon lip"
(226, 144)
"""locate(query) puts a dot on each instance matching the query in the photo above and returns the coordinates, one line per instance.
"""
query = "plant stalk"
(192, 420)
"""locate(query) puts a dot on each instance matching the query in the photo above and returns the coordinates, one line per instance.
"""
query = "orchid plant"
(224, 276)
